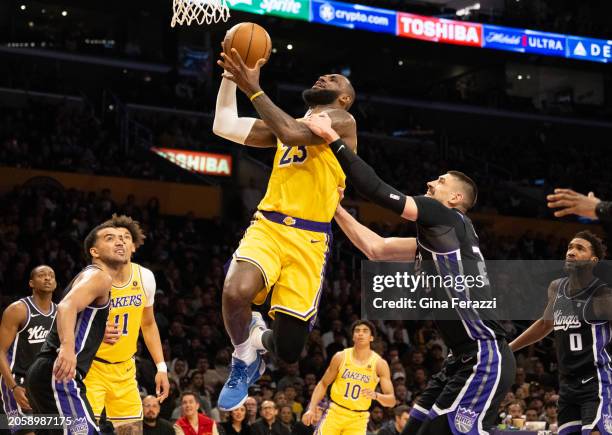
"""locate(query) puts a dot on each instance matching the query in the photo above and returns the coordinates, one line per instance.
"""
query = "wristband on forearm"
(603, 210)
(162, 367)
(366, 181)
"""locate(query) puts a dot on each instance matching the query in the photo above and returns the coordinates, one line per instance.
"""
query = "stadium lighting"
(22, 7)
(466, 10)
(64, 13)
(520, 77)
(289, 46)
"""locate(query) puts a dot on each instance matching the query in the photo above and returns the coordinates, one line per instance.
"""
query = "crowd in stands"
(70, 137)
(46, 225)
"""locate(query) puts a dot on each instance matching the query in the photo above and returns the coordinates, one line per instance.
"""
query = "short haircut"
(40, 266)
(515, 402)
(598, 246)
(399, 410)
(367, 323)
(190, 393)
(92, 238)
(550, 404)
(350, 90)
(471, 190)
(123, 221)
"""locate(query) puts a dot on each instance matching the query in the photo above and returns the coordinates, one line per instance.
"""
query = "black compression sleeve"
(366, 181)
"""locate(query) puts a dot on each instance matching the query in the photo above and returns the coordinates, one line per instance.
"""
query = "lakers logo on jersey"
(352, 379)
(126, 306)
(304, 182)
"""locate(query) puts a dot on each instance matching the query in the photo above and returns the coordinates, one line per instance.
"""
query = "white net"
(201, 11)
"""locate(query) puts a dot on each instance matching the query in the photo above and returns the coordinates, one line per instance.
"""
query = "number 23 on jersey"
(291, 155)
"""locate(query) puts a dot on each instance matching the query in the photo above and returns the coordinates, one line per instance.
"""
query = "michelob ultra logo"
(295, 9)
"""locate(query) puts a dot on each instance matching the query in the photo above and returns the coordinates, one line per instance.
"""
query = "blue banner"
(598, 50)
(548, 44)
(353, 16)
(503, 38)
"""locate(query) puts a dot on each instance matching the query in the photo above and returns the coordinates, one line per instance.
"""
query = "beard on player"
(574, 266)
(319, 97)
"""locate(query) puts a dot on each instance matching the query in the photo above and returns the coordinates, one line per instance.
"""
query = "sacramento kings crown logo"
(465, 419)
(607, 421)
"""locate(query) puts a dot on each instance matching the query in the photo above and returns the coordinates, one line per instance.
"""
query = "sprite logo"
(295, 9)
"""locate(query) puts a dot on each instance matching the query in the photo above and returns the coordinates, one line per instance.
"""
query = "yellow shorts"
(291, 255)
(114, 387)
(340, 421)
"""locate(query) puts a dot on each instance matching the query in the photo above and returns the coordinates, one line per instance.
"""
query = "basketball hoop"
(200, 11)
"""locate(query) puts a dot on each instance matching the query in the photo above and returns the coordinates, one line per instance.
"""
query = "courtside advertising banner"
(292, 9)
(196, 161)
(548, 44)
(353, 16)
(439, 30)
(503, 38)
(597, 50)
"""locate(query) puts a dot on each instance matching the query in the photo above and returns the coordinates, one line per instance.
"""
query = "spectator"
(377, 417)
(296, 407)
(152, 424)
(287, 418)
(394, 427)
(251, 410)
(532, 415)
(193, 422)
(550, 415)
(172, 401)
(291, 378)
(328, 337)
(513, 410)
(237, 423)
(268, 424)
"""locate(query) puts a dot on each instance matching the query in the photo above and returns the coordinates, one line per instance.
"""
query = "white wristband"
(162, 367)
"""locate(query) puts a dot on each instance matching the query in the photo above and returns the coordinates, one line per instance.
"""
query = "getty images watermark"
(411, 282)
(503, 290)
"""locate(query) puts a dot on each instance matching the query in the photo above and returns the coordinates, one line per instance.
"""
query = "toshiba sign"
(203, 163)
(439, 30)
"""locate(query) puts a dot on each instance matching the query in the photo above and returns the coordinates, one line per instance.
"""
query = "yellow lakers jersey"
(304, 182)
(126, 307)
(351, 379)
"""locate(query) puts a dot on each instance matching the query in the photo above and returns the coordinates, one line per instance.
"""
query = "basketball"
(250, 40)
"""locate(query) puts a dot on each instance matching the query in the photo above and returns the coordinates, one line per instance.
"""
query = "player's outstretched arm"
(541, 327)
(92, 285)
(361, 175)
(229, 126)
(150, 334)
(279, 124)
(13, 318)
(570, 202)
(318, 393)
(387, 398)
(371, 244)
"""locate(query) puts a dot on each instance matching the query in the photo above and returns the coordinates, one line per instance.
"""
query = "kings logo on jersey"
(465, 419)
(37, 334)
(565, 322)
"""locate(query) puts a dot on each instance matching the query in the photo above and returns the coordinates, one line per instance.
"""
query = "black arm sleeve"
(434, 213)
(604, 211)
(366, 181)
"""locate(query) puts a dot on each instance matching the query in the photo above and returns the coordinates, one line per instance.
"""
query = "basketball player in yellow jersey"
(287, 244)
(354, 374)
(111, 380)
